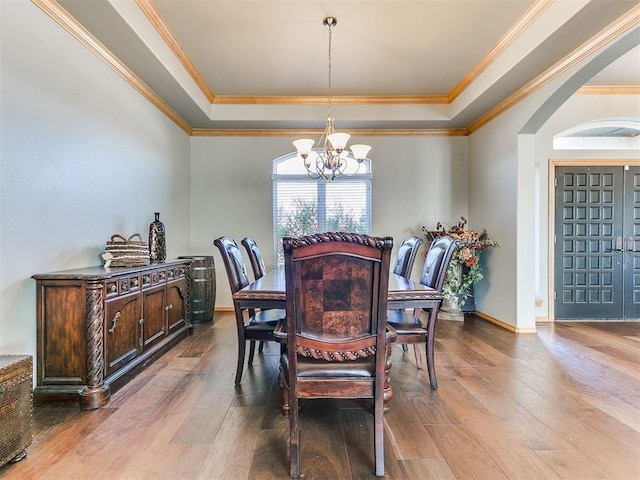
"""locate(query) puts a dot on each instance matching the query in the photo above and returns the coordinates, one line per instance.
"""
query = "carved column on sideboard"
(96, 394)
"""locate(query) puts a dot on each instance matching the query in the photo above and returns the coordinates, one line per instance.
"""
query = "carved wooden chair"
(406, 256)
(252, 325)
(335, 329)
(255, 257)
(410, 327)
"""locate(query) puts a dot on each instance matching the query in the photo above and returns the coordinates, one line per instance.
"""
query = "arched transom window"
(606, 134)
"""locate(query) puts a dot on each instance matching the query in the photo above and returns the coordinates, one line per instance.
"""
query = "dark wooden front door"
(597, 233)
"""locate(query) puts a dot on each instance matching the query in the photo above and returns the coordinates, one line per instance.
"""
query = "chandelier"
(329, 158)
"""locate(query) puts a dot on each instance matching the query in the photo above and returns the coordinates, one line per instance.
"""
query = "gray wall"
(417, 181)
(83, 156)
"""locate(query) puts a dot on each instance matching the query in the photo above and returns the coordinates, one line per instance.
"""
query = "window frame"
(321, 196)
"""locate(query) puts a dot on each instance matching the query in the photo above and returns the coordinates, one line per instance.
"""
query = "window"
(302, 206)
(606, 134)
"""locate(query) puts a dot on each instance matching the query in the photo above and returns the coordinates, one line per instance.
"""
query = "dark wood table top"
(270, 292)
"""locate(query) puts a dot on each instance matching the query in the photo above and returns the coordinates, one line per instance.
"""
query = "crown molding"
(151, 12)
(610, 90)
(503, 43)
(615, 29)
(66, 21)
(294, 132)
(335, 100)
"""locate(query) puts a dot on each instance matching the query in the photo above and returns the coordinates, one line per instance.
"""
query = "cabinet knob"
(168, 307)
(141, 321)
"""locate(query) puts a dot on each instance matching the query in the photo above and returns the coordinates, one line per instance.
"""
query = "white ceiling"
(395, 64)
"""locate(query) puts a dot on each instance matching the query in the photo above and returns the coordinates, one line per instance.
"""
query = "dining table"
(269, 291)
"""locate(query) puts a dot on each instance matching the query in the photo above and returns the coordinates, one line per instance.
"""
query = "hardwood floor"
(560, 404)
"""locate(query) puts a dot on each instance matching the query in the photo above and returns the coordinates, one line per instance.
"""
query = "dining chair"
(406, 256)
(252, 325)
(255, 257)
(405, 259)
(410, 327)
(257, 265)
(336, 297)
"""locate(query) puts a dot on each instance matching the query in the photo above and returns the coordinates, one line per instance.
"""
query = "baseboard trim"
(543, 321)
(506, 326)
(223, 309)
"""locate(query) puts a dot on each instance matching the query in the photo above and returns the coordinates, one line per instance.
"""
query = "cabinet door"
(122, 331)
(176, 305)
(154, 327)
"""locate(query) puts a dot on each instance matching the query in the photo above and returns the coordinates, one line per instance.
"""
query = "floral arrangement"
(459, 280)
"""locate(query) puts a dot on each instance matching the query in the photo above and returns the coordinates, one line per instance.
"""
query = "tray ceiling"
(433, 64)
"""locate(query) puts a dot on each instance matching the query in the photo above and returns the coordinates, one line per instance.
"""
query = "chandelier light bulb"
(303, 146)
(339, 140)
(360, 151)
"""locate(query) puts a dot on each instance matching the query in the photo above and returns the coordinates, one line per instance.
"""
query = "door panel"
(597, 274)
(176, 304)
(631, 243)
(154, 314)
(122, 333)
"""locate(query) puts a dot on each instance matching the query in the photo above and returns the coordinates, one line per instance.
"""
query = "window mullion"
(322, 206)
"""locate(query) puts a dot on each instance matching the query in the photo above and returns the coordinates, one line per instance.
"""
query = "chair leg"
(261, 347)
(294, 439)
(240, 367)
(284, 390)
(404, 347)
(431, 333)
(416, 353)
(378, 437)
(430, 362)
(252, 351)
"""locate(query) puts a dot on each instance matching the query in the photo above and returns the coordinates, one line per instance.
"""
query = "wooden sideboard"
(97, 327)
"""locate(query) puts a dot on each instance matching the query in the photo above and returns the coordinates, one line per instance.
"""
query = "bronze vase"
(157, 242)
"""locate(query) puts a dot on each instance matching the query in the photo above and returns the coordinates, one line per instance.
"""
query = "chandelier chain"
(330, 27)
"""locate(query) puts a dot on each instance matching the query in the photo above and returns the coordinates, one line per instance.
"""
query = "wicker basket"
(16, 402)
(127, 252)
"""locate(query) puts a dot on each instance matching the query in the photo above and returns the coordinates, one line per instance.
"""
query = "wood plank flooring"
(560, 404)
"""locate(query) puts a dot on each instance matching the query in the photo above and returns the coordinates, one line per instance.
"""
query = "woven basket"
(16, 401)
(126, 252)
